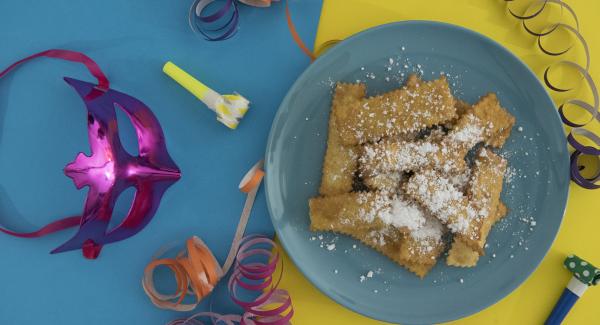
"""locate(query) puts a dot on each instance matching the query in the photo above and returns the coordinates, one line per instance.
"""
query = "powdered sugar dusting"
(402, 214)
(432, 229)
(440, 197)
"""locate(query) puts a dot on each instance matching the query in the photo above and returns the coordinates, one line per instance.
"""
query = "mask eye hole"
(121, 208)
(127, 134)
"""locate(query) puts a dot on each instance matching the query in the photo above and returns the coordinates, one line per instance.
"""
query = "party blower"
(230, 109)
(584, 276)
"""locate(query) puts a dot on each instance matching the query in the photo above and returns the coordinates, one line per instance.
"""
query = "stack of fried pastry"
(396, 174)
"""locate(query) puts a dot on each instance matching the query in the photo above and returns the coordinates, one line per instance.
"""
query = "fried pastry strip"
(484, 194)
(389, 182)
(340, 162)
(398, 247)
(462, 255)
(424, 244)
(391, 225)
(485, 122)
(348, 212)
(414, 107)
(462, 108)
(468, 217)
(443, 200)
(498, 121)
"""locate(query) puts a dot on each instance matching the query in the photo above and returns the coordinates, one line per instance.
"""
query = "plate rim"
(470, 310)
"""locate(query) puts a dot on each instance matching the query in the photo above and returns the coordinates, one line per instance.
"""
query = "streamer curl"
(223, 23)
(254, 260)
(580, 134)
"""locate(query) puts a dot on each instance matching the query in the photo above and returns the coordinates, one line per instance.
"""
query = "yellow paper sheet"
(580, 231)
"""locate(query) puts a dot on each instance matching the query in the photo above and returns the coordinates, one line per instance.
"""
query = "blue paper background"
(42, 128)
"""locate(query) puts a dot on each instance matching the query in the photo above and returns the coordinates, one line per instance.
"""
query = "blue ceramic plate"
(535, 191)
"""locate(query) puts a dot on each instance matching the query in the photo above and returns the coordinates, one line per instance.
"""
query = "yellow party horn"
(229, 108)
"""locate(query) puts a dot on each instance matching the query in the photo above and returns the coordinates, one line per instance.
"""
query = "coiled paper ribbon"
(197, 272)
(218, 26)
(580, 133)
(223, 23)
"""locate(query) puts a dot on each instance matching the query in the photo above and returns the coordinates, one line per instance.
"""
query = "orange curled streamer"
(196, 269)
(295, 35)
(252, 179)
(196, 272)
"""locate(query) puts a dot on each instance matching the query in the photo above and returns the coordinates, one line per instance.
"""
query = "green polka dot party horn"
(584, 275)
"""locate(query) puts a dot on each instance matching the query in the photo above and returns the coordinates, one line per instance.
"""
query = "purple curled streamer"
(589, 183)
(204, 25)
(214, 17)
(580, 129)
(272, 306)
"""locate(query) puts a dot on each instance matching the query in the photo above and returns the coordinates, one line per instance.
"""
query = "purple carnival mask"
(110, 169)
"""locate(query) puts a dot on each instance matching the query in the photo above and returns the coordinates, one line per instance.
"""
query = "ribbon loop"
(67, 55)
(202, 25)
(254, 260)
(103, 85)
(580, 135)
